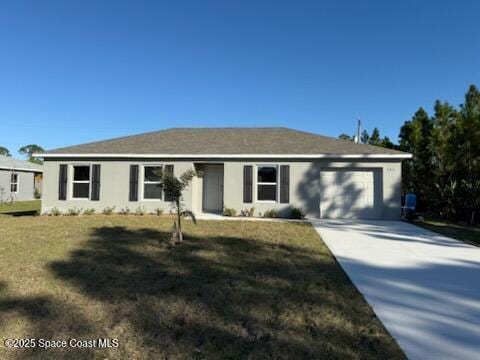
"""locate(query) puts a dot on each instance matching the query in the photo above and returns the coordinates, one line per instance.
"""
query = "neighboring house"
(19, 179)
(265, 168)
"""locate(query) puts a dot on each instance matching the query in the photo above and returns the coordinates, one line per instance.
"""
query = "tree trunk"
(179, 222)
(174, 233)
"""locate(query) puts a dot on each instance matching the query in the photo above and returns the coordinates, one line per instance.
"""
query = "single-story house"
(19, 179)
(241, 168)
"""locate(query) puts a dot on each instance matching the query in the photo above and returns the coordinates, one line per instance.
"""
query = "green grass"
(232, 290)
(460, 231)
(20, 207)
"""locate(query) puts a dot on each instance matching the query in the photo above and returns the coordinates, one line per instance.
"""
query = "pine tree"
(364, 137)
(29, 150)
(406, 144)
(345, 137)
(4, 151)
(375, 137)
(416, 137)
(387, 143)
(468, 150)
(445, 194)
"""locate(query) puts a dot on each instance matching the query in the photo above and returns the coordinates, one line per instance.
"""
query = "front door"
(213, 188)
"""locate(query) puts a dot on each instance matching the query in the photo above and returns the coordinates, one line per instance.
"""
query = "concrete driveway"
(424, 287)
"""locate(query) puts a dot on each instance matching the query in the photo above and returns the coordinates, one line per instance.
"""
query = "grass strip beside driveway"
(460, 231)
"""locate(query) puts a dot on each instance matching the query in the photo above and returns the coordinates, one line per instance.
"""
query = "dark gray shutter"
(284, 184)
(168, 169)
(95, 195)
(133, 194)
(247, 183)
(62, 182)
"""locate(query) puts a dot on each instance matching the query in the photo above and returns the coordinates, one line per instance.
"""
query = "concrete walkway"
(424, 287)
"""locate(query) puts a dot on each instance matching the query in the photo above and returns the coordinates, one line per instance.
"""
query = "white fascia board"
(19, 169)
(229, 156)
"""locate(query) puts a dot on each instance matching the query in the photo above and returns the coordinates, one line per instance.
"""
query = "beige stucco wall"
(114, 187)
(305, 185)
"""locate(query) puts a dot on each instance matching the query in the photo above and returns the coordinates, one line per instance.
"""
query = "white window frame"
(73, 181)
(276, 183)
(16, 183)
(143, 182)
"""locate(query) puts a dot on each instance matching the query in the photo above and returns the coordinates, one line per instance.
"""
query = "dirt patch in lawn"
(231, 290)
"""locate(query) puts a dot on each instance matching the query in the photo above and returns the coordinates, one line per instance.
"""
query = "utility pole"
(359, 124)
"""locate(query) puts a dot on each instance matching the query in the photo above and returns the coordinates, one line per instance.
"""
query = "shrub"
(158, 211)
(90, 211)
(297, 213)
(73, 211)
(37, 194)
(125, 211)
(108, 210)
(229, 212)
(140, 211)
(247, 212)
(272, 213)
(55, 212)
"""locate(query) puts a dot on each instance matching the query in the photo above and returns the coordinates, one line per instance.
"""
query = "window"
(267, 183)
(152, 188)
(81, 182)
(14, 183)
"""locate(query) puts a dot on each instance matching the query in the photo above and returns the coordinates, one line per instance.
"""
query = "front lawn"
(232, 290)
(460, 231)
(31, 206)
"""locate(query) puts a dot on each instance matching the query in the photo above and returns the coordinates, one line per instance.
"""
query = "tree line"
(27, 151)
(444, 171)
(371, 139)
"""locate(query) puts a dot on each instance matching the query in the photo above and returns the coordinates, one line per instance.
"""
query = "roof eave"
(15, 168)
(226, 156)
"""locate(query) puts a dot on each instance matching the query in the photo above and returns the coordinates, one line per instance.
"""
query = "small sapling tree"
(173, 188)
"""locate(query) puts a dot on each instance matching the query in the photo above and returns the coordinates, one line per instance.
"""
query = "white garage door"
(348, 194)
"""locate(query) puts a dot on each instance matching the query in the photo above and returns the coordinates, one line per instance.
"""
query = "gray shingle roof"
(225, 141)
(6, 162)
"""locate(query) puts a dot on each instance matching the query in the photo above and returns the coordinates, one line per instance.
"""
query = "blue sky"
(78, 71)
